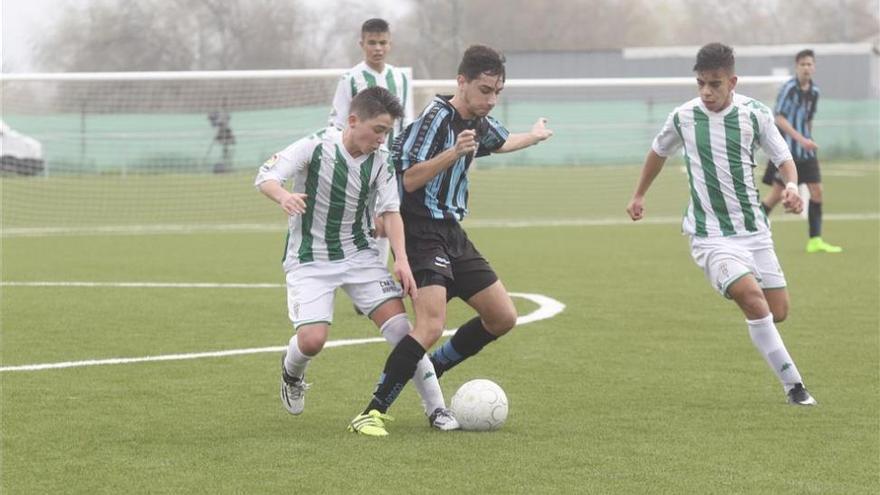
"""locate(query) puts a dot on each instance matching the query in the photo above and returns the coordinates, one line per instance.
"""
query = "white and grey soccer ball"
(480, 405)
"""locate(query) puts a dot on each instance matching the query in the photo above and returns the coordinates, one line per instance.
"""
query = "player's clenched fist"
(294, 204)
(466, 142)
(636, 208)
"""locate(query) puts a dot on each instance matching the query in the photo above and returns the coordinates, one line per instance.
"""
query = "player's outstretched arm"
(516, 142)
(653, 166)
(291, 203)
(394, 231)
(791, 198)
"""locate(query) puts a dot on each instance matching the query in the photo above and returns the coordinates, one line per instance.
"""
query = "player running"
(729, 234)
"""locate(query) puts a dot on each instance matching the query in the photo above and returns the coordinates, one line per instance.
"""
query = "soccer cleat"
(371, 424)
(816, 245)
(798, 396)
(293, 391)
(443, 420)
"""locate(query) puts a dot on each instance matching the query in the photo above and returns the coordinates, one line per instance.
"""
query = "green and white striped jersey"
(361, 77)
(719, 152)
(335, 224)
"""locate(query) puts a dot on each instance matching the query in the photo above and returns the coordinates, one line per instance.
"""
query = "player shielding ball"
(334, 172)
(432, 158)
(729, 234)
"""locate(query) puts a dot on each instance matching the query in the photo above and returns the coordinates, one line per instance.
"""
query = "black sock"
(814, 216)
(467, 341)
(399, 368)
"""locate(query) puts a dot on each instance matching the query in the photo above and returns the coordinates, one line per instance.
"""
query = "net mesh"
(179, 152)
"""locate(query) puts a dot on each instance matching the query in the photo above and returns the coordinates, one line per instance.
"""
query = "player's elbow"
(410, 185)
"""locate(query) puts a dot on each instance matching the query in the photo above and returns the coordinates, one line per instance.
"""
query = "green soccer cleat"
(817, 245)
(371, 424)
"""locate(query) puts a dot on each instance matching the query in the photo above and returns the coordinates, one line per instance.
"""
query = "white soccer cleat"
(443, 420)
(293, 392)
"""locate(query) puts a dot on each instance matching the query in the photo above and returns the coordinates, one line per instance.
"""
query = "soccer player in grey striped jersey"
(795, 108)
(373, 71)
(729, 234)
(432, 159)
(334, 174)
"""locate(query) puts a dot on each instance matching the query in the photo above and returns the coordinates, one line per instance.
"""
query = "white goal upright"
(172, 150)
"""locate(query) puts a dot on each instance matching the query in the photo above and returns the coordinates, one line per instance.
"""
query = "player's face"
(368, 135)
(376, 47)
(716, 88)
(805, 68)
(480, 95)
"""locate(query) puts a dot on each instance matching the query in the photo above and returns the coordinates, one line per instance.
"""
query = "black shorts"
(807, 169)
(440, 253)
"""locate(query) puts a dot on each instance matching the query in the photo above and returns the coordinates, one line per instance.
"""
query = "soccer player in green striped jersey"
(730, 237)
(374, 71)
(335, 172)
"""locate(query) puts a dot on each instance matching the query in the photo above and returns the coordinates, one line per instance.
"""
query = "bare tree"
(110, 35)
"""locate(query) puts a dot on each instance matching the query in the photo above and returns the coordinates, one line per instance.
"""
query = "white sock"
(384, 246)
(424, 378)
(766, 338)
(295, 361)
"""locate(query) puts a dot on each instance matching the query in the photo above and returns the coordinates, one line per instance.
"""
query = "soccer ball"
(480, 405)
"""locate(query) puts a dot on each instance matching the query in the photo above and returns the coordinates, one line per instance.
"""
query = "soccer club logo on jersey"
(271, 161)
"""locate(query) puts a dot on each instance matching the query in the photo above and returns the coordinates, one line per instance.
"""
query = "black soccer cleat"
(798, 396)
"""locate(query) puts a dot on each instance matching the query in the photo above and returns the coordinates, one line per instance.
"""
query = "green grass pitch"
(646, 383)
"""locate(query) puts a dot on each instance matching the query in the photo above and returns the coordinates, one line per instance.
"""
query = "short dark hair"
(373, 102)
(715, 56)
(375, 25)
(804, 53)
(481, 59)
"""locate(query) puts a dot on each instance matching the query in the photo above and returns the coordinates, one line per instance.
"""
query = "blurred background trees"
(429, 35)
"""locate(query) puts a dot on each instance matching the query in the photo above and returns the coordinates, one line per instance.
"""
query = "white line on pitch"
(143, 285)
(547, 308)
(159, 229)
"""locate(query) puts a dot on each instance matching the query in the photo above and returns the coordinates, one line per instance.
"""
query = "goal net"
(178, 151)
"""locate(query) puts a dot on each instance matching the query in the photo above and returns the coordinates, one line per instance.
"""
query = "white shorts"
(725, 260)
(311, 287)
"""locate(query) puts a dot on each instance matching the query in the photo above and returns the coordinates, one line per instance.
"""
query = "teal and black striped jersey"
(798, 107)
(446, 195)
(335, 224)
(719, 152)
(361, 77)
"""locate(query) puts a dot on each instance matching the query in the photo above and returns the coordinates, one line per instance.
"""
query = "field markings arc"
(547, 308)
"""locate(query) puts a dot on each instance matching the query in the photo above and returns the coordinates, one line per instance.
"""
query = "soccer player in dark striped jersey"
(795, 108)
(729, 236)
(432, 158)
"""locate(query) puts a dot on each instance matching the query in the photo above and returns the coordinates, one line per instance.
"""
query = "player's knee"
(501, 323)
(780, 312)
(310, 343)
(780, 316)
(428, 331)
(396, 328)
